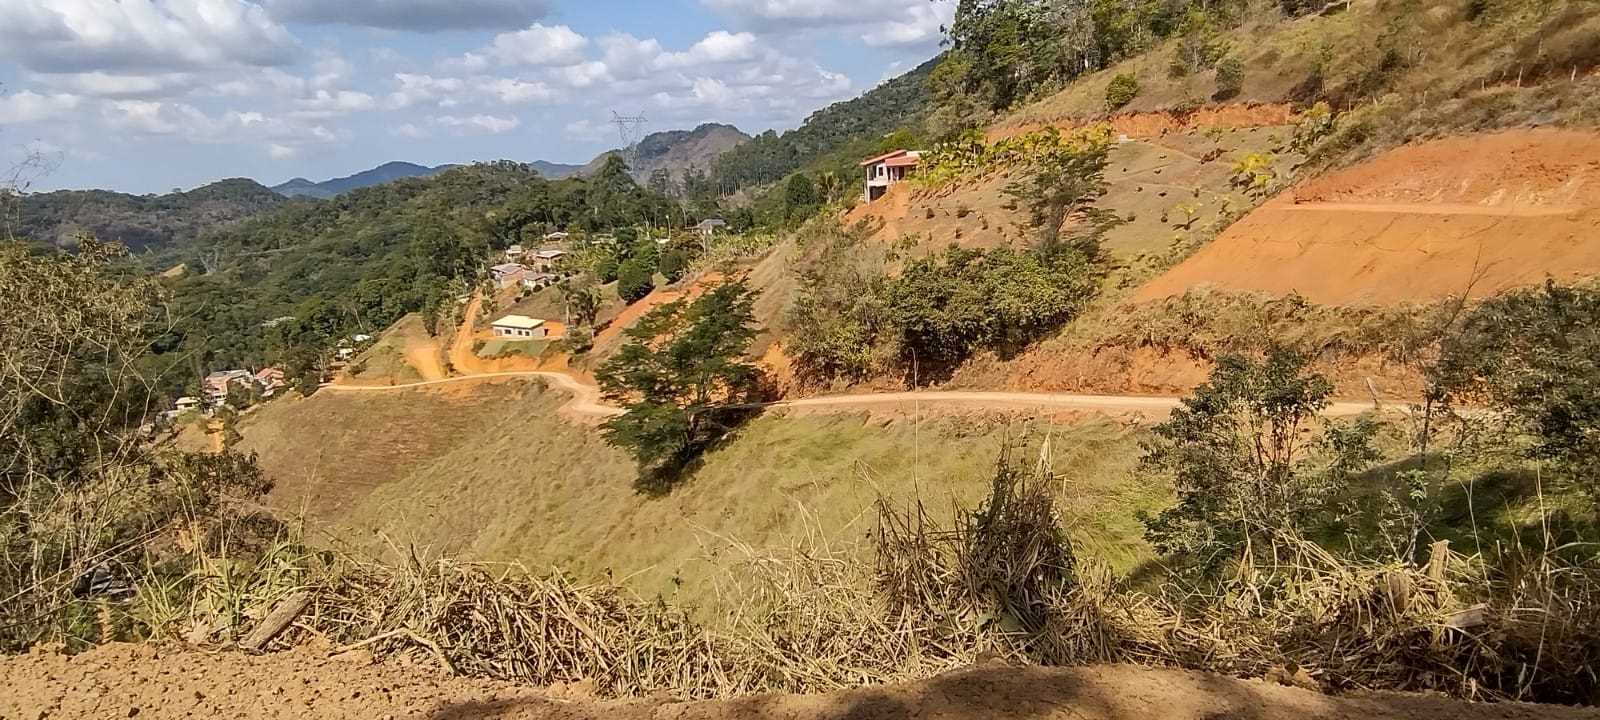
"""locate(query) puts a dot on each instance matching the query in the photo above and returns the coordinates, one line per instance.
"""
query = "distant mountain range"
(674, 150)
(387, 172)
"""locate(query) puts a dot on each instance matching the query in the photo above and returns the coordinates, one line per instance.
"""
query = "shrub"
(605, 268)
(635, 279)
(1230, 77)
(673, 264)
(1122, 90)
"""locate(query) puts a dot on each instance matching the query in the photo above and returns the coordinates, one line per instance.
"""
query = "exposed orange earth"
(1478, 214)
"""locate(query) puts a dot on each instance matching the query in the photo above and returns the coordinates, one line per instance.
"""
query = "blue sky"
(149, 95)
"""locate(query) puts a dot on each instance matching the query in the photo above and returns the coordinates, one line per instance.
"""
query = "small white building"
(520, 327)
(887, 170)
(186, 403)
(708, 227)
(538, 281)
(556, 236)
(514, 253)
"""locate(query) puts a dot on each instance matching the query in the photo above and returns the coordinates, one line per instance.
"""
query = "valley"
(1123, 359)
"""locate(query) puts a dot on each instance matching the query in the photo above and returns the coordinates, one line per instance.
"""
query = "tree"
(1230, 77)
(1122, 90)
(1534, 354)
(635, 279)
(682, 379)
(1068, 179)
(582, 301)
(1243, 464)
(799, 197)
(673, 264)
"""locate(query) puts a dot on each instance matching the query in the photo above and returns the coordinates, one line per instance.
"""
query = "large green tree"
(683, 379)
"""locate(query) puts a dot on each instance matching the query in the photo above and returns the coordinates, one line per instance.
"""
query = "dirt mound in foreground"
(1481, 213)
(146, 681)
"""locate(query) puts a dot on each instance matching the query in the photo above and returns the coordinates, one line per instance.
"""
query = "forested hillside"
(835, 129)
(387, 172)
(285, 285)
(140, 222)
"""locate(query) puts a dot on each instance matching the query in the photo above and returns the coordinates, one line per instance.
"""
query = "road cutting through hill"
(588, 403)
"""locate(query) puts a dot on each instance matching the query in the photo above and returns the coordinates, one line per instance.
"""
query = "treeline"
(1003, 52)
(138, 222)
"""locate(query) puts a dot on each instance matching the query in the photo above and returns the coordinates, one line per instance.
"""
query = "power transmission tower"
(630, 130)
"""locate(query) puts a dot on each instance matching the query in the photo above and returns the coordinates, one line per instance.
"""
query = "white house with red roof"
(887, 170)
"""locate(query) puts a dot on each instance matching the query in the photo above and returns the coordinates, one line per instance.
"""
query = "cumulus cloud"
(515, 92)
(877, 22)
(478, 124)
(588, 130)
(419, 89)
(720, 46)
(108, 85)
(409, 131)
(132, 36)
(325, 103)
(411, 15)
(278, 151)
(29, 107)
(537, 45)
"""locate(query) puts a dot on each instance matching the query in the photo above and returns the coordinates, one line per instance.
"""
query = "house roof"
(514, 250)
(507, 268)
(883, 157)
(519, 322)
(549, 254)
(906, 160)
(556, 234)
(712, 222)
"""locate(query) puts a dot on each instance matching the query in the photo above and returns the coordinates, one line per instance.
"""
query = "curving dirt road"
(587, 401)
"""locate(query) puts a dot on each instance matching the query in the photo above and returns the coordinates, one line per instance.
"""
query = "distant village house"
(538, 281)
(514, 253)
(887, 170)
(708, 227)
(545, 260)
(520, 327)
(507, 274)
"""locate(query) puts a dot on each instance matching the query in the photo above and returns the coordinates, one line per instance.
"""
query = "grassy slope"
(489, 472)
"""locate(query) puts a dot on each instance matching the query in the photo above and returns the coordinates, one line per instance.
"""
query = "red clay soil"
(158, 682)
(1478, 213)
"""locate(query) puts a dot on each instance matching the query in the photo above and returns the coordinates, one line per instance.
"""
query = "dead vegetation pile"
(1002, 581)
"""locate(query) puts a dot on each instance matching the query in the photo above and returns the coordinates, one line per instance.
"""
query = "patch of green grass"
(509, 480)
(500, 347)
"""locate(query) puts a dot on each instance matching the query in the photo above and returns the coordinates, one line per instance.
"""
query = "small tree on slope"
(683, 380)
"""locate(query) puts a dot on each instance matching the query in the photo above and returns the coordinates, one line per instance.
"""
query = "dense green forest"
(841, 128)
(140, 222)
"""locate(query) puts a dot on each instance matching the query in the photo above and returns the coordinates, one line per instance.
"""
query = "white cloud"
(278, 151)
(877, 22)
(107, 85)
(409, 131)
(417, 89)
(513, 92)
(588, 130)
(29, 107)
(130, 36)
(478, 124)
(538, 45)
(720, 46)
(325, 104)
(412, 15)
(583, 74)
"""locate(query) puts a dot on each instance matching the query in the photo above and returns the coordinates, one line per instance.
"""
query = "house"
(344, 354)
(185, 404)
(887, 170)
(507, 274)
(709, 227)
(519, 326)
(216, 384)
(557, 236)
(545, 260)
(270, 380)
(513, 253)
(538, 281)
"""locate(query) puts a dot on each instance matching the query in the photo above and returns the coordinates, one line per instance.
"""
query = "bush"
(635, 279)
(1122, 90)
(605, 269)
(1230, 77)
(673, 264)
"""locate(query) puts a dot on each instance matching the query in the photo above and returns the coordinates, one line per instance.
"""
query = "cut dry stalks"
(1000, 582)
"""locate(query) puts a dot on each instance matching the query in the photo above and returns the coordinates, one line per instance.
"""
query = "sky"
(151, 95)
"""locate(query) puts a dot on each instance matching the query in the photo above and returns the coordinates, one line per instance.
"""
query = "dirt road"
(151, 682)
(586, 398)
